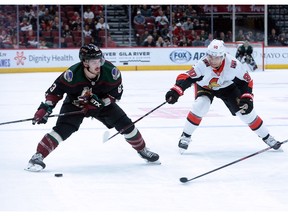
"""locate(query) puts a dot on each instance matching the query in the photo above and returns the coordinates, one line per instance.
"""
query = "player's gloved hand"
(245, 103)
(93, 106)
(173, 94)
(42, 114)
(248, 59)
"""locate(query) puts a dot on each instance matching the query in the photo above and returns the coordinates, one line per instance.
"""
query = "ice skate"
(183, 143)
(36, 164)
(149, 156)
(269, 140)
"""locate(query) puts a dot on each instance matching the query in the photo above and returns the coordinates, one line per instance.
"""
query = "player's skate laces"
(148, 155)
(36, 164)
(269, 140)
(184, 143)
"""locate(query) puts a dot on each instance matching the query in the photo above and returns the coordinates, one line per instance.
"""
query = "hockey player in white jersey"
(219, 74)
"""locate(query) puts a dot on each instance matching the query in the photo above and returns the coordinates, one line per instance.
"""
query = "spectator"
(146, 11)
(160, 42)
(149, 42)
(139, 19)
(178, 31)
(208, 40)
(87, 32)
(197, 41)
(76, 24)
(88, 14)
(188, 25)
(101, 25)
(66, 32)
(6, 40)
(25, 26)
(240, 36)
(161, 18)
(222, 36)
(273, 38)
(43, 45)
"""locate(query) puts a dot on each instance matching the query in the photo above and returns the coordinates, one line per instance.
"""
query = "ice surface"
(111, 178)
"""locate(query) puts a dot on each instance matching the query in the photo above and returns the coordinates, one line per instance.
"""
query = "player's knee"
(247, 118)
(56, 136)
(124, 122)
(201, 106)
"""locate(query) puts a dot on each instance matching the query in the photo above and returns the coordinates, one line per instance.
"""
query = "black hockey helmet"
(90, 51)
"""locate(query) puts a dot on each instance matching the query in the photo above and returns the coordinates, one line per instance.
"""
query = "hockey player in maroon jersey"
(93, 86)
(218, 74)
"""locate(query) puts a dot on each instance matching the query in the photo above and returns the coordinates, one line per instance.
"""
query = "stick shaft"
(55, 115)
(125, 128)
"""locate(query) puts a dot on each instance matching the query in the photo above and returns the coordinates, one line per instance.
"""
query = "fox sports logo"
(180, 56)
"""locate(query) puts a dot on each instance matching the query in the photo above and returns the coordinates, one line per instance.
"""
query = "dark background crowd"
(70, 26)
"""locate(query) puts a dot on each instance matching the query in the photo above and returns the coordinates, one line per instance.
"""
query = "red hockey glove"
(245, 103)
(42, 114)
(173, 94)
(93, 106)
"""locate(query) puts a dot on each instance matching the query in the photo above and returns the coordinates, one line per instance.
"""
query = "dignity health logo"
(20, 58)
(180, 56)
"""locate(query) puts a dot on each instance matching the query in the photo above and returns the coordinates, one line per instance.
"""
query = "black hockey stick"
(106, 134)
(185, 179)
(55, 115)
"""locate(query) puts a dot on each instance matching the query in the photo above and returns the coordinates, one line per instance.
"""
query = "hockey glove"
(173, 94)
(42, 114)
(93, 106)
(248, 59)
(245, 103)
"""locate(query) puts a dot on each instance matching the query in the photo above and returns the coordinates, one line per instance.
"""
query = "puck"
(183, 179)
(58, 175)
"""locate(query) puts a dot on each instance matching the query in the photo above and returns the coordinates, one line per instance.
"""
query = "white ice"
(111, 178)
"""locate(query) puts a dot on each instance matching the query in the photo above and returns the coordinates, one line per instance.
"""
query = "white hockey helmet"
(216, 48)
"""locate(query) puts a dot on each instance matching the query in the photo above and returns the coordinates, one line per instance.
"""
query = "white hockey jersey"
(212, 79)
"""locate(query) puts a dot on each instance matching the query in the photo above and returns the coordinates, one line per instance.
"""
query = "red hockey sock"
(47, 145)
(136, 140)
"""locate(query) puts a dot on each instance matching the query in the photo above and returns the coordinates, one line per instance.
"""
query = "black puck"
(183, 179)
(58, 175)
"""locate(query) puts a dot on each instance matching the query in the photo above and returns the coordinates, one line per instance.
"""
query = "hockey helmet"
(90, 51)
(216, 48)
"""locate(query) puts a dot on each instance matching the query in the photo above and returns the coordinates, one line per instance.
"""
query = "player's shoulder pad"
(71, 73)
(111, 72)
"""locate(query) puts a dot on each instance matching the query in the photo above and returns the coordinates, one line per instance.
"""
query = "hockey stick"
(185, 179)
(55, 115)
(106, 133)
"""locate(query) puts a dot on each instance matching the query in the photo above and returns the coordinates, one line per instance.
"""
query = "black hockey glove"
(42, 114)
(173, 94)
(245, 103)
(248, 59)
(93, 106)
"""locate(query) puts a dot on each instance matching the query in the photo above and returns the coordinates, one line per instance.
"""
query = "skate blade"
(154, 163)
(181, 150)
(34, 168)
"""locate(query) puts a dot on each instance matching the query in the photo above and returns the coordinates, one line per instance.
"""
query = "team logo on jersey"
(68, 75)
(115, 73)
(180, 56)
(212, 83)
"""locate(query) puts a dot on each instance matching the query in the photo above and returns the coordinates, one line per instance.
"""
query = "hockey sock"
(135, 139)
(48, 143)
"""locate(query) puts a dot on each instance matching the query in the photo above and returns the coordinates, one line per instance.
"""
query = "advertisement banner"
(128, 58)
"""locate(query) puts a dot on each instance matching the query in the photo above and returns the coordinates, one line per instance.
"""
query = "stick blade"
(106, 136)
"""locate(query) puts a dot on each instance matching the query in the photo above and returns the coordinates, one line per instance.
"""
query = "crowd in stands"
(153, 25)
(48, 34)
